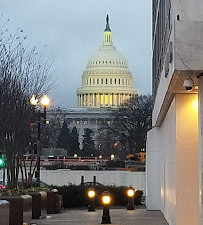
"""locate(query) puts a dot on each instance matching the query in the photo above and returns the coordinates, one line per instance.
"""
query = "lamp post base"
(130, 207)
(106, 220)
(91, 208)
(106, 216)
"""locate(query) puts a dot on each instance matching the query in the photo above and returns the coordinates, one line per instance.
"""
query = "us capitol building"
(107, 82)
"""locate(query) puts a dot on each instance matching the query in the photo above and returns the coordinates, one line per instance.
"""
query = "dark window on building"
(161, 34)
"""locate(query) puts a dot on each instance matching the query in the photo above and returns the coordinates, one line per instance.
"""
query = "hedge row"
(76, 196)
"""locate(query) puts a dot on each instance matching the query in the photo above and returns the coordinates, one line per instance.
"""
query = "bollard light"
(91, 194)
(106, 200)
(130, 194)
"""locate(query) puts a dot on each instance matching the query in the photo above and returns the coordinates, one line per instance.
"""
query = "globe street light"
(44, 102)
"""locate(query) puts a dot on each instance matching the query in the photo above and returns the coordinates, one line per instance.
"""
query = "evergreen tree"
(88, 143)
(64, 137)
(74, 143)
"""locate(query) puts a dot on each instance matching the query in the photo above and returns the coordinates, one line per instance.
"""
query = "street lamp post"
(106, 200)
(91, 195)
(44, 102)
(131, 194)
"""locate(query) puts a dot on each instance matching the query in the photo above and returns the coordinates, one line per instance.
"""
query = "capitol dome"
(107, 80)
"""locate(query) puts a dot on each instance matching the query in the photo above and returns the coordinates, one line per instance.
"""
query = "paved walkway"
(118, 217)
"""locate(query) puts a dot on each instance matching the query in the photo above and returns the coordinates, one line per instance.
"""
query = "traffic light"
(2, 160)
(33, 132)
(35, 149)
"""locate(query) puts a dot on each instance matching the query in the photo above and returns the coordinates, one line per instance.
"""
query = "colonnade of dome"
(102, 100)
(107, 80)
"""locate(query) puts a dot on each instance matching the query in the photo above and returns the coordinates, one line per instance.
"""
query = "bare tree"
(51, 131)
(130, 124)
(23, 73)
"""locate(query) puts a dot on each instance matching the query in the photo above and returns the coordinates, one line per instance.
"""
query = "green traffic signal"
(1, 162)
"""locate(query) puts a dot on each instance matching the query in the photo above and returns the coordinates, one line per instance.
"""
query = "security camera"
(188, 84)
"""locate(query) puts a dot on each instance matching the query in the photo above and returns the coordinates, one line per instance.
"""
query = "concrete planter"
(43, 203)
(20, 209)
(54, 202)
(27, 208)
(36, 205)
(15, 209)
(4, 212)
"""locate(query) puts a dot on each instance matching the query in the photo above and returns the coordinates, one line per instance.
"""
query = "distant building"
(107, 82)
(83, 118)
(175, 143)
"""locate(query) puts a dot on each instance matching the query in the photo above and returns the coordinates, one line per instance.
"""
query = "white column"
(93, 99)
(118, 99)
(108, 99)
(80, 100)
(103, 96)
(89, 100)
(122, 98)
(99, 100)
(85, 100)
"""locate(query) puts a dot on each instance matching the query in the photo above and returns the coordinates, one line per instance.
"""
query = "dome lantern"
(107, 35)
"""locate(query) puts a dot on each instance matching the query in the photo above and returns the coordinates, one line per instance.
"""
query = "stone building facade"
(174, 144)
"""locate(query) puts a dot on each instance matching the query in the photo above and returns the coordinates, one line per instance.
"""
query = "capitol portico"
(107, 80)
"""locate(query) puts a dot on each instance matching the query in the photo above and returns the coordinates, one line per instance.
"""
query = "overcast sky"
(72, 30)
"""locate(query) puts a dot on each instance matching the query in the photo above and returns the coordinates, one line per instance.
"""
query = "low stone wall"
(118, 178)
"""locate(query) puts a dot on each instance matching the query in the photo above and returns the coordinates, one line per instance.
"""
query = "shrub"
(21, 191)
(76, 196)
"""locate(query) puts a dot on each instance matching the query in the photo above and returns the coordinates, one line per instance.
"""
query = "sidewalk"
(118, 217)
